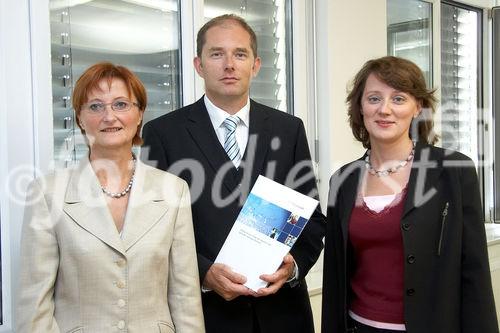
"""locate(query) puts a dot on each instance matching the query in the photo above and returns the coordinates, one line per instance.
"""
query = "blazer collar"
(86, 205)
(348, 182)
(147, 204)
(426, 169)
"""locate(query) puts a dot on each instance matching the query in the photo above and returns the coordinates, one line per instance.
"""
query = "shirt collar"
(217, 115)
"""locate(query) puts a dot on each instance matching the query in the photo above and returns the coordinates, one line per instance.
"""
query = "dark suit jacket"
(447, 282)
(277, 147)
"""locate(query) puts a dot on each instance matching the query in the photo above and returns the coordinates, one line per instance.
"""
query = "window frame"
(414, 25)
(495, 210)
(481, 168)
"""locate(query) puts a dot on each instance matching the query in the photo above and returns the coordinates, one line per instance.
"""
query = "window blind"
(459, 79)
(142, 36)
(268, 18)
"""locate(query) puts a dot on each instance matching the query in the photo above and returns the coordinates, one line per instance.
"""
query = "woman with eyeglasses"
(405, 247)
(108, 246)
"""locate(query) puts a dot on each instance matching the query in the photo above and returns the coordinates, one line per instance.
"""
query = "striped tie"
(230, 143)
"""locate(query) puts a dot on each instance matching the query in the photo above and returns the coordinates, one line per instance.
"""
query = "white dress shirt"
(217, 117)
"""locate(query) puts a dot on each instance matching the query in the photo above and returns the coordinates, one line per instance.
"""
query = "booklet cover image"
(271, 220)
(265, 230)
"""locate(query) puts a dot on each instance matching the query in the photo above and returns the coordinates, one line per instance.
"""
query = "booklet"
(268, 225)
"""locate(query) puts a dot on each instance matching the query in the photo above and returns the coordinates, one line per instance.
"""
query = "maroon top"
(377, 282)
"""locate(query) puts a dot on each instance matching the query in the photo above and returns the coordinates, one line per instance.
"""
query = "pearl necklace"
(127, 189)
(387, 172)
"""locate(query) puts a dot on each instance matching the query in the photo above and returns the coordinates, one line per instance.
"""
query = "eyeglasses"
(120, 105)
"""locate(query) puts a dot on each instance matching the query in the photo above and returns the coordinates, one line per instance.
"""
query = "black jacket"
(446, 272)
(276, 145)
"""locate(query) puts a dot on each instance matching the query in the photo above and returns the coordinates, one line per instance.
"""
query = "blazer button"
(121, 303)
(120, 284)
(406, 226)
(410, 259)
(410, 291)
(120, 262)
(121, 324)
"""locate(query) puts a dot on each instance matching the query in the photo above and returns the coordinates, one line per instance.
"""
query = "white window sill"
(492, 233)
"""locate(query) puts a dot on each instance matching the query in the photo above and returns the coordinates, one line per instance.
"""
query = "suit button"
(410, 259)
(410, 291)
(406, 226)
(121, 324)
(121, 303)
(120, 284)
(120, 262)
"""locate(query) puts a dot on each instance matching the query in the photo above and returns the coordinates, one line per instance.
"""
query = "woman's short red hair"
(90, 80)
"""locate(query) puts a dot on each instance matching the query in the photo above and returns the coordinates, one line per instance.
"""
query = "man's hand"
(228, 284)
(278, 278)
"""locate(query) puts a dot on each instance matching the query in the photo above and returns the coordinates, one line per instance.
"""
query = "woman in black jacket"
(405, 247)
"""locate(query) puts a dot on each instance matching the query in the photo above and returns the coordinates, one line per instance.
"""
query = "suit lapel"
(85, 204)
(259, 139)
(202, 131)
(426, 170)
(146, 206)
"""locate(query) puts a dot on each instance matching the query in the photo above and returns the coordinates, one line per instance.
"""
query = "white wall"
(316, 309)
(348, 34)
(16, 127)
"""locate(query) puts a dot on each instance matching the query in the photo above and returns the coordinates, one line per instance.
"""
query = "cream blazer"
(79, 275)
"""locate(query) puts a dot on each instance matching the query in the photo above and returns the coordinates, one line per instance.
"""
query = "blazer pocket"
(76, 330)
(165, 327)
(444, 214)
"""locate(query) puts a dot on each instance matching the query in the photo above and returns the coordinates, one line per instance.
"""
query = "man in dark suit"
(219, 145)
